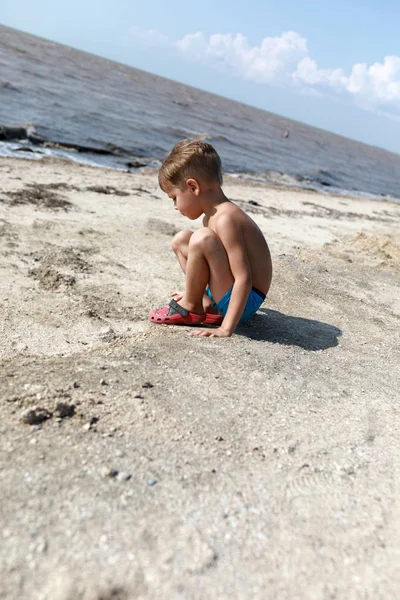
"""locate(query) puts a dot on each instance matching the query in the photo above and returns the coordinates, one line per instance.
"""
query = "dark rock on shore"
(20, 133)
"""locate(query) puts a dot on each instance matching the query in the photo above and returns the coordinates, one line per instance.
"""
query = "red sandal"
(213, 319)
(175, 314)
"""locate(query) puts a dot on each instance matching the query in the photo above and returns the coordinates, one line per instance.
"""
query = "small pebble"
(109, 472)
(151, 482)
(35, 415)
(124, 476)
(41, 545)
(64, 410)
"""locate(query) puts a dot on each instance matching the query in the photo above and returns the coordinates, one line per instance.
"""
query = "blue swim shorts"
(254, 301)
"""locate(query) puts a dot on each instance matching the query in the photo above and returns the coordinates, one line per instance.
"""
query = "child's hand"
(177, 296)
(219, 332)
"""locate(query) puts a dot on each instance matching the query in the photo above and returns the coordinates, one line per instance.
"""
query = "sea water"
(77, 99)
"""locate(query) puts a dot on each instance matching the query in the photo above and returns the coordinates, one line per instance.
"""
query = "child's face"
(186, 201)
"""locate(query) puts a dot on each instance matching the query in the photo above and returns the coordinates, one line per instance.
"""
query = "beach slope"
(138, 461)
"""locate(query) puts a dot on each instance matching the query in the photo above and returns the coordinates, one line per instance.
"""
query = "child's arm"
(231, 236)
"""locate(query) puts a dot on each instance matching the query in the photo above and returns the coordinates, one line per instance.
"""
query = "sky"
(332, 64)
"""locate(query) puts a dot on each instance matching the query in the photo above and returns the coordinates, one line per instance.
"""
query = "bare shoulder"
(229, 214)
(228, 210)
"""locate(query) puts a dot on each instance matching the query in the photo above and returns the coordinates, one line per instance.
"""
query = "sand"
(138, 461)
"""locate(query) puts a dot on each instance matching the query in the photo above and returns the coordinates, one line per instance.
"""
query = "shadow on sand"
(277, 328)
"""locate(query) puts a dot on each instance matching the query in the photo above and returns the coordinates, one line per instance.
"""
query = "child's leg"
(180, 245)
(204, 260)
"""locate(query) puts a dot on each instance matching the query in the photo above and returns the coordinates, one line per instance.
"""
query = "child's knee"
(203, 238)
(181, 239)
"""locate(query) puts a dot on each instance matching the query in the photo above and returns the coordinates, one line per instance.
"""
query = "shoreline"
(140, 461)
(273, 179)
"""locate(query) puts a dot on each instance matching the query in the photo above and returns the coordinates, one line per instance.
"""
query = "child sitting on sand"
(227, 262)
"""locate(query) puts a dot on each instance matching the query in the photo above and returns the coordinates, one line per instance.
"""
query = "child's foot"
(175, 314)
(177, 296)
(208, 306)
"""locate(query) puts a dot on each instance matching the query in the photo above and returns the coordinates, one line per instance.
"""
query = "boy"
(227, 262)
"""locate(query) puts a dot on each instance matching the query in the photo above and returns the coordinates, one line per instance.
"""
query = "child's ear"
(193, 185)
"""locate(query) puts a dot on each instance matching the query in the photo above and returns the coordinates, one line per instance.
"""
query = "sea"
(96, 111)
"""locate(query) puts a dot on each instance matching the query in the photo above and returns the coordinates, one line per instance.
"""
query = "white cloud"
(270, 62)
(308, 73)
(381, 80)
(285, 61)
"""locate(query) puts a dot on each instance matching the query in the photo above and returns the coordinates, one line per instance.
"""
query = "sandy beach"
(138, 461)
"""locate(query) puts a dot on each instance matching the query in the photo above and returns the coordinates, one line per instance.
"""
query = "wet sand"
(140, 462)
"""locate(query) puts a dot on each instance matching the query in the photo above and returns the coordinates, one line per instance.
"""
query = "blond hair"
(190, 158)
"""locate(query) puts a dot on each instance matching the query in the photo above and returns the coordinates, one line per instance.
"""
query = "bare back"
(256, 247)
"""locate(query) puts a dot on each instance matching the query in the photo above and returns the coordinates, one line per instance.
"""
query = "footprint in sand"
(161, 227)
